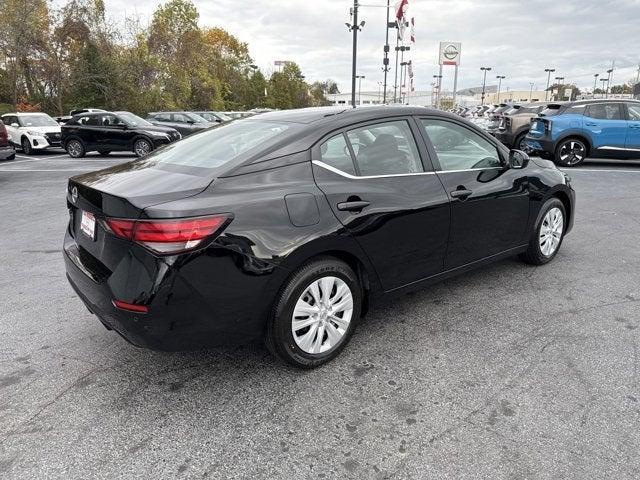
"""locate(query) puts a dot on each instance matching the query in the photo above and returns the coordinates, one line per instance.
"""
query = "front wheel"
(75, 148)
(26, 146)
(315, 314)
(571, 152)
(548, 233)
(520, 143)
(142, 147)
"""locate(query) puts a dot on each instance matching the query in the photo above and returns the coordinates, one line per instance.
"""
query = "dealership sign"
(450, 53)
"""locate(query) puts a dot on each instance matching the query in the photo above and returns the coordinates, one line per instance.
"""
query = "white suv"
(32, 131)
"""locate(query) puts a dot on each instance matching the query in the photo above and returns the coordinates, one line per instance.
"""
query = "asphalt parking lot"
(508, 372)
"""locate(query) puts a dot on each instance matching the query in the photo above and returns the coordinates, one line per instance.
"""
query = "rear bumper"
(205, 302)
(7, 153)
(540, 145)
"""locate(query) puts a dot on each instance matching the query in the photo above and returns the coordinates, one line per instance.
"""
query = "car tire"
(26, 146)
(104, 153)
(324, 337)
(571, 152)
(75, 148)
(142, 147)
(540, 251)
(518, 143)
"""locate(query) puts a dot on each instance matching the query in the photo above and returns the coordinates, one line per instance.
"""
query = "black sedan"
(287, 227)
(107, 132)
(185, 122)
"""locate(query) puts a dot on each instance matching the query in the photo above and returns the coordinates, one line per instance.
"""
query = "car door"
(605, 125)
(632, 140)
(112, 134)
(382, 188)
(489, 202)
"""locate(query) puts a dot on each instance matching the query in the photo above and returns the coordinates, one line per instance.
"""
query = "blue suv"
(570, 132)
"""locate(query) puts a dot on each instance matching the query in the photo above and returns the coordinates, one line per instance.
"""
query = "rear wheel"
(315, 314)
(519, 143)
(142, 147)
(104, 153)
(26, 146)
(75, 148)
(571, 152)
(548, 233)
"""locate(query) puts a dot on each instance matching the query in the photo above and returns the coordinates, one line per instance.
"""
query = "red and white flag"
(411, 75)
(401, 16)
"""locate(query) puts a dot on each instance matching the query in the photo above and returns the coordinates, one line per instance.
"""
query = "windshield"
(219, 145)
(133, 120)
(37, 121)
(214, 117)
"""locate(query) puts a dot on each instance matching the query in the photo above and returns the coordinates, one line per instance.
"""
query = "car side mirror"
(518, 159)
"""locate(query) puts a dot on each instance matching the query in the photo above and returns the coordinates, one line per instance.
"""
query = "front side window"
(385, 149)
(459, 148)
(335, 152)
(604, 111)
(634, 111)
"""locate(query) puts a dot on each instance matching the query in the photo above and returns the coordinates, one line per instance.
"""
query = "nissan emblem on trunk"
(74, 194)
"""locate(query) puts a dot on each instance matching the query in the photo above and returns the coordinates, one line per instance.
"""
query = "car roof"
(348, 114)
(600, 100)
(19, 114)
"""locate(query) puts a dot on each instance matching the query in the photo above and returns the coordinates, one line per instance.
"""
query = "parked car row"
(565, 132)
(93, 129)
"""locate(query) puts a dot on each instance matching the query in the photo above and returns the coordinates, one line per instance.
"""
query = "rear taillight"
(170, 235)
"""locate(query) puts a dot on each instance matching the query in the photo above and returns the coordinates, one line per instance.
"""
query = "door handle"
(461, 194)
(355, 206)
(634, 126)
(589, 124)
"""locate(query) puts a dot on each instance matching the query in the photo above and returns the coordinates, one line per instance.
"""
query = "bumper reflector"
(130, 307)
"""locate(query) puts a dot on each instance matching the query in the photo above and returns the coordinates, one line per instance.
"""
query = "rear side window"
(385, 149)
(459, 148)
(604, 111)
(335, 153)
(575, 110)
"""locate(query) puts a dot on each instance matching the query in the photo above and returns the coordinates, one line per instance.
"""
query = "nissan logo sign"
(74, 194)
(450, 52)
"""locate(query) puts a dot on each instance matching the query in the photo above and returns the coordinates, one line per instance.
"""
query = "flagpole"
(385, 61)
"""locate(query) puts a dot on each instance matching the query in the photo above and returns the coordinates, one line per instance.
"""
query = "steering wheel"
(353, 144)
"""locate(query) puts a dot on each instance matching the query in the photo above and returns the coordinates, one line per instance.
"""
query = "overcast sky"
(516, 38)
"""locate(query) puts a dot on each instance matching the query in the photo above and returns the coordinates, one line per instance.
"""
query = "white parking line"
(42, 170)
(42, 158)
(600, 170)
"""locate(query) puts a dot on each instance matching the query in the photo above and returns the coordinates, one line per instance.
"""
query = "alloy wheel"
(74, 148)
(573, 152)
(322, 315)
(551, 231)
(26, 146)
(142, 148)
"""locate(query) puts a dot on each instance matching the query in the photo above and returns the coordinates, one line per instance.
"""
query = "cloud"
(517, 38)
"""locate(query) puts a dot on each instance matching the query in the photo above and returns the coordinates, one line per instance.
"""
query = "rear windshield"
(550, 110)
(217, 146)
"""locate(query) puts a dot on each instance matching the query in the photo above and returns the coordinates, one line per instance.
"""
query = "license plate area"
(88, 225)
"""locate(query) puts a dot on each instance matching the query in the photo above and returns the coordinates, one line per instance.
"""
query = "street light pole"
(385, 60)
(354, 28)
(549, 71)
(359, 77)
(604, 81)
(595, 83)
(500, 78)
(531, 91)
(606, 95)
(484, 81)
